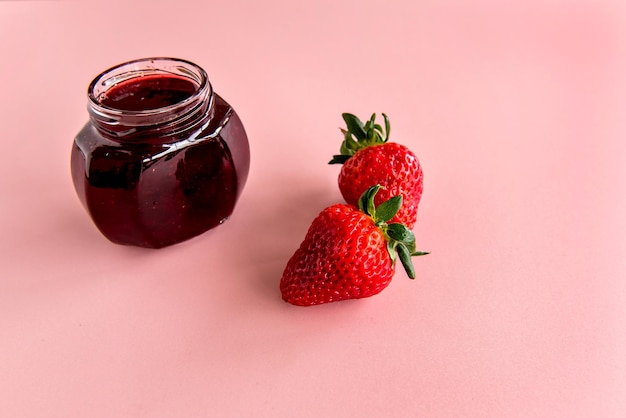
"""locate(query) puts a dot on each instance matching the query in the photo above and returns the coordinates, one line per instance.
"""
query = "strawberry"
(368, 158)
(349, 253)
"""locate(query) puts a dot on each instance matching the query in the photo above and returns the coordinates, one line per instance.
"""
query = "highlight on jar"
(163, 158)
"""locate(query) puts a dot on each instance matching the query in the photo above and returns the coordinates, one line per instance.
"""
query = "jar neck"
(122, 105)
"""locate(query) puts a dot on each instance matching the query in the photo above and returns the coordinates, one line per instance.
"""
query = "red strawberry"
(349, 253)
(368, 158)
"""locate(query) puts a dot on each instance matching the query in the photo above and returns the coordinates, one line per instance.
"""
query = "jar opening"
(149, 92)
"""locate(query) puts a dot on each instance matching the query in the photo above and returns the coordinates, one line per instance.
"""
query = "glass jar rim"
(112, 76)
(171, 119)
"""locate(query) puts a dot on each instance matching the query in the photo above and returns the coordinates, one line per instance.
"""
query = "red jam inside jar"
(149, 92)
(163, 158)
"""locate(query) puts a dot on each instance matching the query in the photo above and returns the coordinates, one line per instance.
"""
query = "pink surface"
(517, 111)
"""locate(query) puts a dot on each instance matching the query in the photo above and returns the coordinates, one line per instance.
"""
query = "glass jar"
(163, 158)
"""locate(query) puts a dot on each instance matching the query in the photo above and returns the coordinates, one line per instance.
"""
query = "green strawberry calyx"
(400, 239)
(359, 135)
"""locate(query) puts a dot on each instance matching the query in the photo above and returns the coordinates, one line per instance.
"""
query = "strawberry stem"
(360, 135)
(400, 239)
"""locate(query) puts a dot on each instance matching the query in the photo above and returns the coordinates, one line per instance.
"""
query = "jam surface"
(148, 92)
(158, 193)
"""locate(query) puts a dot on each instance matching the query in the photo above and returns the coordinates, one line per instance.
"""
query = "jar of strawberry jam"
(163, 157)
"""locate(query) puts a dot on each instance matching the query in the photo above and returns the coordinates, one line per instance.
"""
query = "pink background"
(517, 111)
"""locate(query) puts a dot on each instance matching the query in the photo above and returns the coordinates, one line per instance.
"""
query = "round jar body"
(163, 158)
